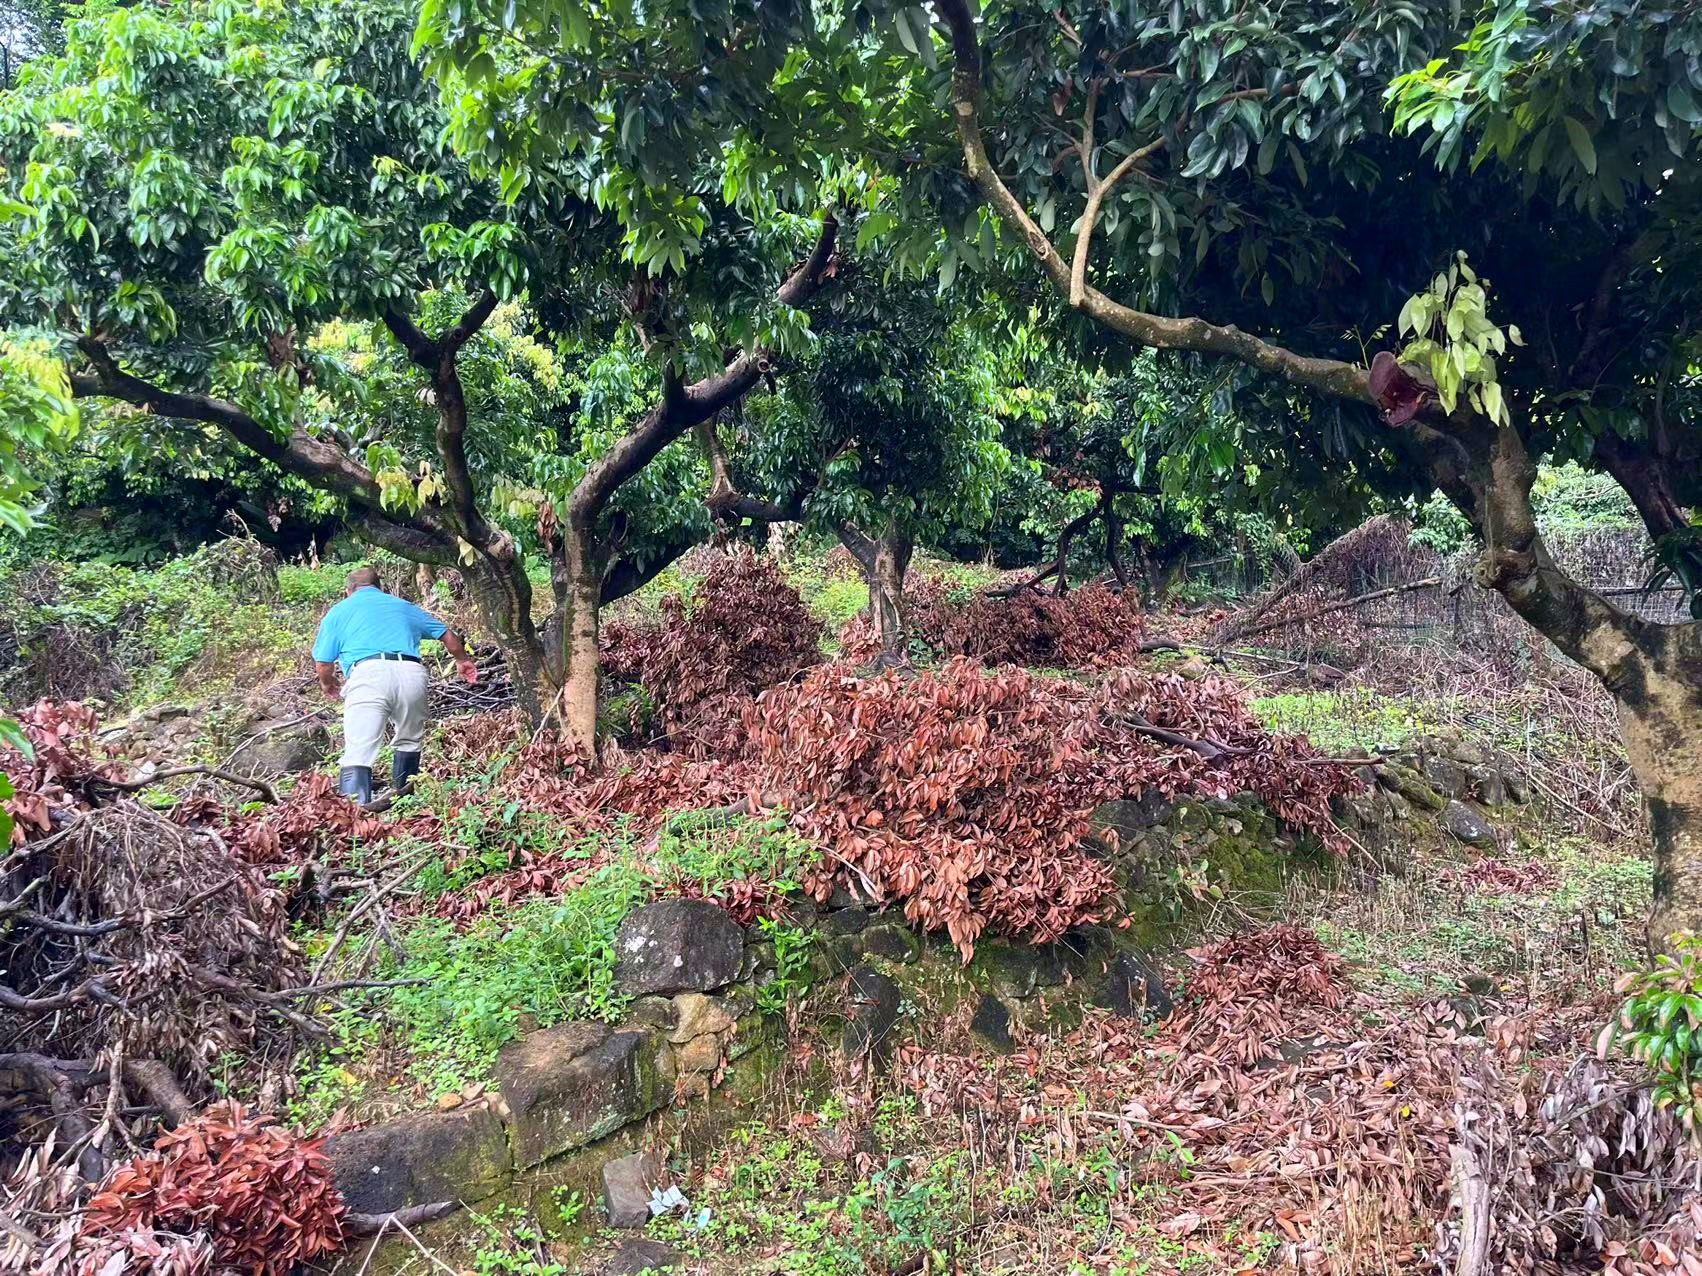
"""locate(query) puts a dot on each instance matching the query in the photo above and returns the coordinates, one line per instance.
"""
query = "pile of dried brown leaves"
(1282, 1098)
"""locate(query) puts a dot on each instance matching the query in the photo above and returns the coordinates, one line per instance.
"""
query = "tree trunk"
(886, 591)
(883, 563)
(1072, 529)
(1114, 548)
(577, 581)
(502, 593)
(1660, 718)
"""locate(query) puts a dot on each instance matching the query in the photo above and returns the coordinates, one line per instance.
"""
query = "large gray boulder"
(1447, 777)
(678, 945)
(287, 751)
(1466, 824)
(570, 1085)
(627, 1184)
(461, 1155)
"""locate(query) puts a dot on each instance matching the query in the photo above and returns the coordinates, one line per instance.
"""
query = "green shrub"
(1569, 498)
(320, 584)
(99, 629)
(1660, 1025)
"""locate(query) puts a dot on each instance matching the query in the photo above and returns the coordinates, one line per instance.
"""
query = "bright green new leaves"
(37, 420)
(1454, 339)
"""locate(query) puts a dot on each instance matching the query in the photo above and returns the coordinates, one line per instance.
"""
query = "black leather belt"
(386, 655)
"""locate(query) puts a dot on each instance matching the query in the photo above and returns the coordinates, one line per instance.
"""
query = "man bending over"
(375, 637)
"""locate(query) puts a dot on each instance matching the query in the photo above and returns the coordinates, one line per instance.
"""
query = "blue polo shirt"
(370, 622)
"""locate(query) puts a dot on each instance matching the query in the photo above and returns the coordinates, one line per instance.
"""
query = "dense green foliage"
(1660, 1025)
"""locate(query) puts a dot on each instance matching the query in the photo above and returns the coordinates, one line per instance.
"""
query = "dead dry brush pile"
(962, 794)
(1092, 627)
(744, 629)
(137, 954)
(966, 793)
(1312, 613)
(1332, 1114)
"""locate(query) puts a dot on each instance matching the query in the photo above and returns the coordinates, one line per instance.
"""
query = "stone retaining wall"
(565, 1087)
(695, 977)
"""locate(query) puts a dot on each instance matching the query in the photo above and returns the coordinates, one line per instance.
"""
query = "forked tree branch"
(684, 406)
(1483, 469)
(439, 357)
(725, 498)
(1332, 377)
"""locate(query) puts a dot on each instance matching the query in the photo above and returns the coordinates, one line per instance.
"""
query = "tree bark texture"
(884, 561)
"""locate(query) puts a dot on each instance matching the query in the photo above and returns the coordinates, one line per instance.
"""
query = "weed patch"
(1342, 722)
(464, 992)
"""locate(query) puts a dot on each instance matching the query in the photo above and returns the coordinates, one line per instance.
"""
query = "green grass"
(1342, 722)
(518, 967)
(781, 1198)
(204, 620)
(1577, 930)
(837, 601)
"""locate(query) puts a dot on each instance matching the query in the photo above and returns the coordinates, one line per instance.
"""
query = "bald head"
(360, 578)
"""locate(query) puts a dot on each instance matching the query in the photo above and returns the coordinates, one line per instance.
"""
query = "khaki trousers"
(378, 695)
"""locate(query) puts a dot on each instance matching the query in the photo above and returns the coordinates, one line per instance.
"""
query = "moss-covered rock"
(461, 1155)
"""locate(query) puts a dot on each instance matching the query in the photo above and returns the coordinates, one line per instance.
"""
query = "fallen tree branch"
(90, 929)
(156, 1081)
(1472, 1190)
(1429, 582)
(10, 1000)
(1210, 750)
(60, 1083)
(411, 1216)
(218, 773)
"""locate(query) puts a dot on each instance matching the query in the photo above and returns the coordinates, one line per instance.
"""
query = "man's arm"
(464, 665)
(327, 645)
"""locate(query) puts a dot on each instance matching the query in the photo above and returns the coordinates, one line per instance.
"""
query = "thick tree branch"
(1647, 480)
(628, 574)
(323, 464)
(439, 358)
(1075, 527)
(411, 543)
(726, 499)
(1096, 193)
(1333, 377)
(1487, 473)
(469, 324)
(683, 407)
(860, 546)
(421, 348)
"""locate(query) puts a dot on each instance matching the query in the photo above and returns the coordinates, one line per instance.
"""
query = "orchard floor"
(1289, 1121)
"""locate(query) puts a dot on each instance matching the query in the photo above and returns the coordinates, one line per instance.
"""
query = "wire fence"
(1375, 583)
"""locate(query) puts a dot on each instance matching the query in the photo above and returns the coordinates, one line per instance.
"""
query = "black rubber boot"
(403, 768)
(356, 782)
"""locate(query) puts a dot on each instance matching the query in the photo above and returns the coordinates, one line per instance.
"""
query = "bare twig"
(218, 773)
(1429, 582)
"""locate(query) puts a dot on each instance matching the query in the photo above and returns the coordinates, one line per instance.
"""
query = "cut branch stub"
(1401, 392)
